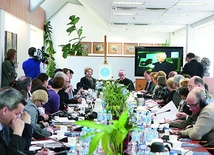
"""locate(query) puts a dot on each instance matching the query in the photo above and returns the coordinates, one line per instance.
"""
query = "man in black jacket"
(193, 67)
(64, 94)
(15, 129)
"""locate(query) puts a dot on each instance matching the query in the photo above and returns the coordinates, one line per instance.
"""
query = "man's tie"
(5, 136)
(147, 85)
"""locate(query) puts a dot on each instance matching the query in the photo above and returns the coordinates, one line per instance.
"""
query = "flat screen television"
(158, 58)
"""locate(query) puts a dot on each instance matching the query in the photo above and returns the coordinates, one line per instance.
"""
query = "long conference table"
(60, 143)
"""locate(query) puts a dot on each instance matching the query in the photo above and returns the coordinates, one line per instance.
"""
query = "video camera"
(41, 55)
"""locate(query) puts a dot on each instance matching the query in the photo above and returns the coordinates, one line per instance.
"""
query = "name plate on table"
(63, 120)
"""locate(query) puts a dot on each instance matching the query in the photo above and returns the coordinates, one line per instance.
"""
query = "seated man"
(204, 126)
(64, 94)
(149, 83)
(123, 80)
(12, 118)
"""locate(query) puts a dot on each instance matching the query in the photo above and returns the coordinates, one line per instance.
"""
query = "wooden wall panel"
(21, 9)
(38, 18)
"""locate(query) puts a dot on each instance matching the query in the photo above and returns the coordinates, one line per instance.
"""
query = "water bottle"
(72, 151)
(148, 119)
(100, 117)
(148, 135)
(142, 144)
(135, 136)
(144, 119)
(139, 118)
(104, 117)
(133, 119)
(109, 116)
(155, 134)
(83, 132)
(133, 151)
(85, 148)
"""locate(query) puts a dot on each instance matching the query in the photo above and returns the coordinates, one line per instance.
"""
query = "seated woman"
(88, 82)
(169, 96)
(53, 103)
(38, 98)
(162, 90)
(183, 108)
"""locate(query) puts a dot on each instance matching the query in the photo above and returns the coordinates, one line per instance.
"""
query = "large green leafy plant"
(74, 46)
(51, 67)
(115, 96)
(111, 136)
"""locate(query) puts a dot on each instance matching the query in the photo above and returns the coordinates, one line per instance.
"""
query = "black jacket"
(193, 68)
(86, 84)
(16, 143)
(65, 100)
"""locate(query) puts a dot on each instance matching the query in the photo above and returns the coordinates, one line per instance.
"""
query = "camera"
(40, 55)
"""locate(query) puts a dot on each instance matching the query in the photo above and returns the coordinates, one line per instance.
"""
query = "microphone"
(155, 114)
(20, 152)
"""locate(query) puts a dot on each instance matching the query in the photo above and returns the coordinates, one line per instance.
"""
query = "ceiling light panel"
(128, 3)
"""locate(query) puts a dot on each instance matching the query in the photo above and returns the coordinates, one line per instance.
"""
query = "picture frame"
(129, 48)
(98, 47)
(10, 41)
(115, 48)
(145, 44)
(87, 46)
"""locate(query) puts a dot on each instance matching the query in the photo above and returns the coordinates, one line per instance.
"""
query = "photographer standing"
(33, 66)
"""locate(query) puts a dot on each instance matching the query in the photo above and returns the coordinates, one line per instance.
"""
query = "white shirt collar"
(1, 126)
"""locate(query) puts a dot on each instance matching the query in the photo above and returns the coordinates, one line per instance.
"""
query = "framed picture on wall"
(145, 44)
(114, 48)
(98, 47)
(129, 48)
(87, 47)
(10, 41)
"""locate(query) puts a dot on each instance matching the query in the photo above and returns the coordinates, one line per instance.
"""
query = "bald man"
(204, 126)
(123, 80)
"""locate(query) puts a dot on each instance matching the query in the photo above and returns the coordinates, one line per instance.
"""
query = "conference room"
(119, 26)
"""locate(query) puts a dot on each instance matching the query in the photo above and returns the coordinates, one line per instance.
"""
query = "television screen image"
(158, 58)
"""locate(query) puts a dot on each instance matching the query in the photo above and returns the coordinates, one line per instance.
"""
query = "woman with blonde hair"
(9, 68)
(88, 82)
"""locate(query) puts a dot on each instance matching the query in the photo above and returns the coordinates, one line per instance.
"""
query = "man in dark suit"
(162, 64)
(193, 67)
(123, 80)
(15, 129)
(149, 84)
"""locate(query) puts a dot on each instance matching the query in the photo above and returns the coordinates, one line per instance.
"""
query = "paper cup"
(63, 128)
(72, 141)
(173, 138)
(60, 133)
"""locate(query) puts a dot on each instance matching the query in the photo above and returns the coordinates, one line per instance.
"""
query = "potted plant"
(111, 136)
(115, 96)
(51, 66)
(74, 46)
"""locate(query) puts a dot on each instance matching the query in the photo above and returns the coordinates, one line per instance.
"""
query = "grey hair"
(199, 93)
(11, 98)
(60, 74)
(198, 80)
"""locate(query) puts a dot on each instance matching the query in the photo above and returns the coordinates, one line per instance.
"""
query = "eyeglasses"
(192, 105)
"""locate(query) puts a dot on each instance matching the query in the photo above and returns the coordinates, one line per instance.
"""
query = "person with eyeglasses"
(67, 95)
(194, 82)
(204, 108)
(39, 97)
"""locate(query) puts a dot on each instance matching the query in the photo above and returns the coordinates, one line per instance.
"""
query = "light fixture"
(124, 13)
(175, 15)
(129, 3)
(190, 4)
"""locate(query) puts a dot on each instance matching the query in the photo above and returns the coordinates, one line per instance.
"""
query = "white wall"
(22, 30)
(94, 32)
